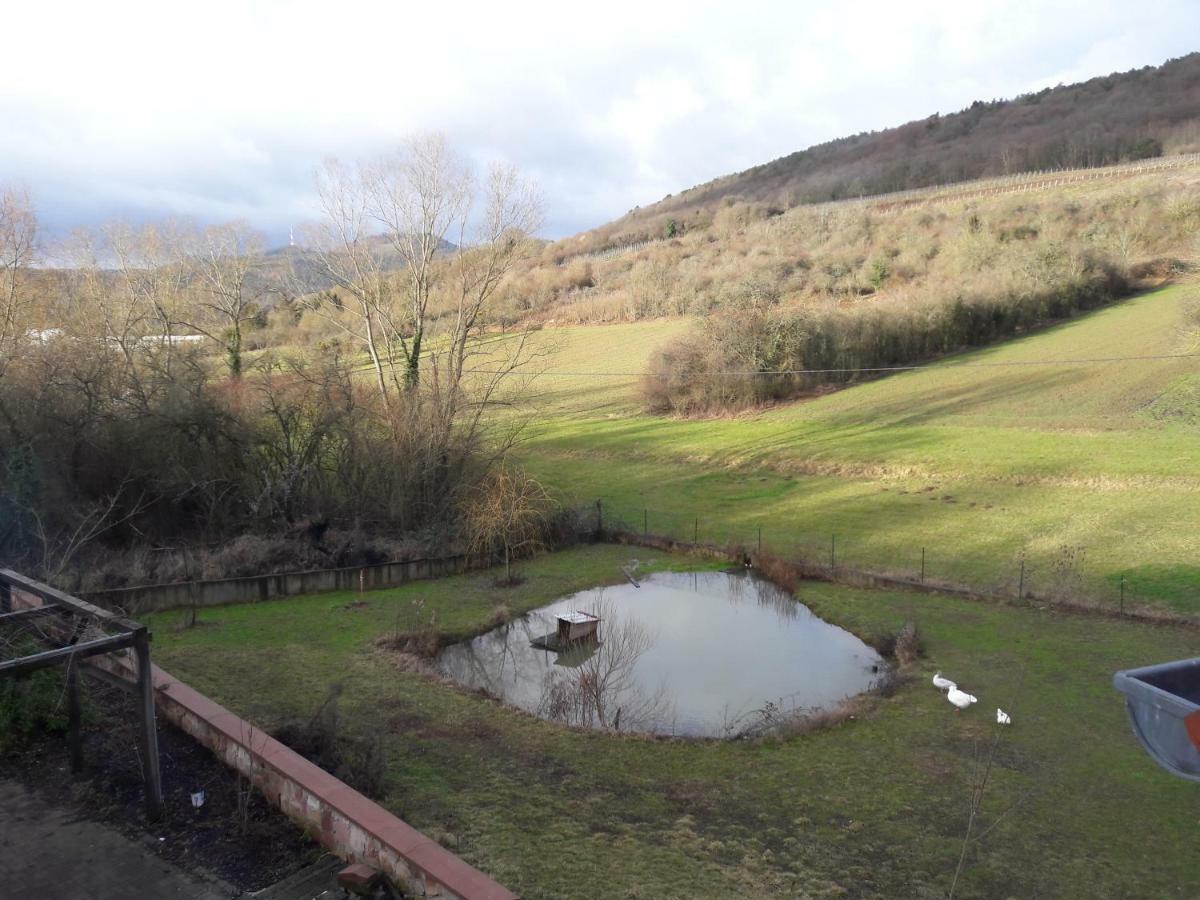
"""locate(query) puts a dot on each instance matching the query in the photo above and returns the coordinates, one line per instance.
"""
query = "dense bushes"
(726, 363)
(102, 450)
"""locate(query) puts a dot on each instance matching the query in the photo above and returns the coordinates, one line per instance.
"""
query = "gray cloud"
(142, 110)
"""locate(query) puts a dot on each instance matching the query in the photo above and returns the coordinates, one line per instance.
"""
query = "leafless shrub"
(248, 773)
(326, 722)
(507, 512)
(415, 631)
(778, 571)
(908, 647)
(357, 759)
(1066, 572)
(776, 722)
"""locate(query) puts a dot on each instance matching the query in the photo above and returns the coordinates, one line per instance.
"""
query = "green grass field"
(1088, 471)
(876, 806)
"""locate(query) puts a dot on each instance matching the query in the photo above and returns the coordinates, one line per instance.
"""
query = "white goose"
(943, 684)
(960, 699)
(1002, 717)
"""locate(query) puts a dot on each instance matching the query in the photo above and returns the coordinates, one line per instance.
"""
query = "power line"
(1097, 360)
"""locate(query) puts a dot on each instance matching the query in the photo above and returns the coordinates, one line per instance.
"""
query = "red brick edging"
(342, 819)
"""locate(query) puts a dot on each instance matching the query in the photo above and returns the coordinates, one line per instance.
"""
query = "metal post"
(922, 565)
(760, 540)
(1021, 583)
(151, 773)
(74, 717)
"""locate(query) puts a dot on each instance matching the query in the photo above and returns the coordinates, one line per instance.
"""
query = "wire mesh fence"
(1063, 576)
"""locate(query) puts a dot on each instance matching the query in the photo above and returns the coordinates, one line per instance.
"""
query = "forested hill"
(1131, 115)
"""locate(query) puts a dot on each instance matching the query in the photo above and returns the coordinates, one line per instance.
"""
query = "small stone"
(359, 878)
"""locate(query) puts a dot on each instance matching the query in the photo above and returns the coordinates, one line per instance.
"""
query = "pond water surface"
(697, 653)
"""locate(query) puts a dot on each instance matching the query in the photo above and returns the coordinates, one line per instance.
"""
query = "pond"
(698, 653)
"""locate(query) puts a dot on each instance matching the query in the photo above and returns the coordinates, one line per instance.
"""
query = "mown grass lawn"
(874, 807)
(1090, 472)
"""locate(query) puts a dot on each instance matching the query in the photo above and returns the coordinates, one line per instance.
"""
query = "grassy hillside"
(876, 806)
(1114, 118)
(857, 257)
(1088, 471)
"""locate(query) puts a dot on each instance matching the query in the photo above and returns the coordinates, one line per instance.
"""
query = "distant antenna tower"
(291, 236)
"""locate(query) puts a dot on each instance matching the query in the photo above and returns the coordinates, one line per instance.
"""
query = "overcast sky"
(221, 110)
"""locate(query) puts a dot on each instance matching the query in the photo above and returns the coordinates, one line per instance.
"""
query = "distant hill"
(1116, 118)
(297, 266)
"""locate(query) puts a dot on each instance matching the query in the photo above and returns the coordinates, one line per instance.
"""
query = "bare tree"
(345, 252)
(512, 211)
(418, 196)
(507, 512)
(150, 281)
(18, 237)
(418, 207)
(61, 545)
(226, 294)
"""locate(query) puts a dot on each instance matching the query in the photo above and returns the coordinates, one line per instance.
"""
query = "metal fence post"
(922, 565)
(74, 718)
(1021, 582)
(151, 774)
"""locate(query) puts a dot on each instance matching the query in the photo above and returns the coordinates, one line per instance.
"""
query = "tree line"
(758, 353)
(119, 426)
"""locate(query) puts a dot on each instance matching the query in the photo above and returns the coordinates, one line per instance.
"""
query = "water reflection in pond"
(698, 653)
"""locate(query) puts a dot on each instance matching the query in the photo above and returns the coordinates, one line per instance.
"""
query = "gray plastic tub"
(1164, 708)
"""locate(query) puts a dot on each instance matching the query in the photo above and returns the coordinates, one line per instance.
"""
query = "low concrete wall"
(183, 594)
(342, 819)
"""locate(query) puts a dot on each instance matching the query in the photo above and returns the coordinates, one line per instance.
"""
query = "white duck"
(960, 699)
(943, 684)
(1002, 717)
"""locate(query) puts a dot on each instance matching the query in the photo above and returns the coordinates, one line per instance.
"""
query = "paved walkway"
(48, 851)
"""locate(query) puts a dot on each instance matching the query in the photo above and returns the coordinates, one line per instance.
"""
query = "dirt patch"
(249, 854)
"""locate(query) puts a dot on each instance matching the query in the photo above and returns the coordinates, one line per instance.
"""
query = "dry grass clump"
(420, 644)
(905, 646)
(502, 614)
(312, 545)
(819, 719)
(783, 573)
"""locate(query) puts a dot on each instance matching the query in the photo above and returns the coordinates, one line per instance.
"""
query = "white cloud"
(225, 108)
